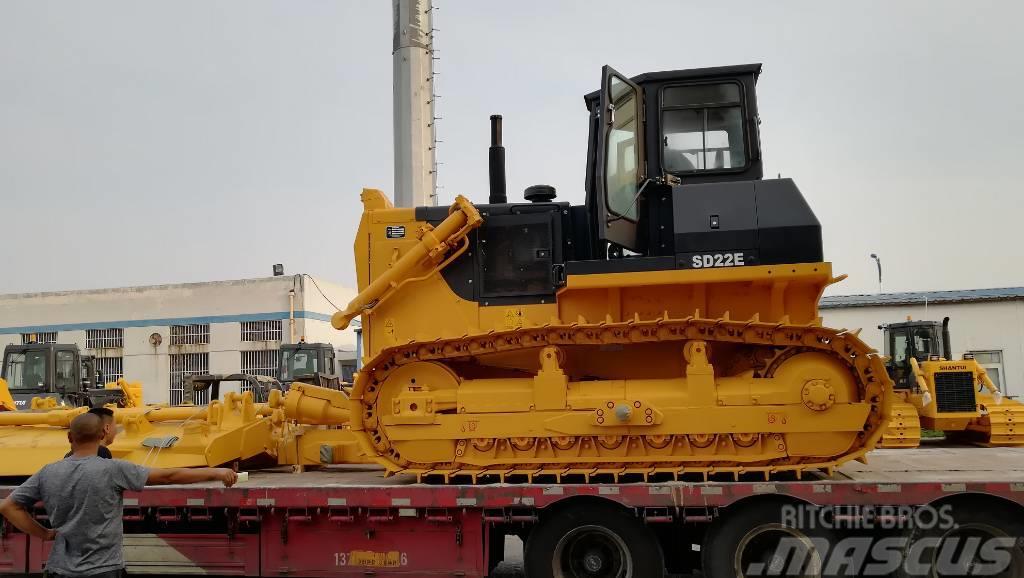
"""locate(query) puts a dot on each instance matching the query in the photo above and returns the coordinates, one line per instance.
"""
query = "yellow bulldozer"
(667, 326)
(935, 391)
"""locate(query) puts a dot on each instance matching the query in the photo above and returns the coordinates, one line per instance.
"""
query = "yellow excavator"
(940, 393)
(668, 326)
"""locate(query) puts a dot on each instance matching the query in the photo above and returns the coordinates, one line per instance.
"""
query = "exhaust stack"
(496, 163)
(947, 347)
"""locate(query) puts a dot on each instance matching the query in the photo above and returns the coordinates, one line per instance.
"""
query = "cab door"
(621, 163)
(899, 366)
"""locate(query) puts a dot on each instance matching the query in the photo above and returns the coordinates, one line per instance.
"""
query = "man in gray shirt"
(82, 495)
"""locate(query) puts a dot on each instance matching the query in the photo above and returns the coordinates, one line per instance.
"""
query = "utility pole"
(879, 263)
(415, 163)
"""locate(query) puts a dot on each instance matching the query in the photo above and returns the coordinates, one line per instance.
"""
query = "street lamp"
(879, 263)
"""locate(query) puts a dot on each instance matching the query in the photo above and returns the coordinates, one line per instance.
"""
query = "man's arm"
(22, 520)
(166, 476)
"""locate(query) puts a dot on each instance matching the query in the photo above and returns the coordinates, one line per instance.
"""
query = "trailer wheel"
(746, 542)
(592, 541)
(939, 550)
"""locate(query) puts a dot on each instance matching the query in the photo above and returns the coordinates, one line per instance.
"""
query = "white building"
(986, 322)
(160, 334)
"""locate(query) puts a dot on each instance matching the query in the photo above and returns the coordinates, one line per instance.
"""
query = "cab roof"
(687, 74)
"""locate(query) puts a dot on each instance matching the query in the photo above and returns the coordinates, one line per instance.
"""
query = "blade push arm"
(434, 243)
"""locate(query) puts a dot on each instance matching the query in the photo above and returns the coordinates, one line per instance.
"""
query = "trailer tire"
(746, 535)
(592, 540)
(971, 518)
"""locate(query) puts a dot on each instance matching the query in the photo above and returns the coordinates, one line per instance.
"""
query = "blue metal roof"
(920, 297)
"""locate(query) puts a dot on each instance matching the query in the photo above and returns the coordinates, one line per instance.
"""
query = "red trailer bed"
(353, 521)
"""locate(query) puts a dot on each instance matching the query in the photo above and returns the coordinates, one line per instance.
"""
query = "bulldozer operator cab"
(44, 370)
(920, 340)
(673, 181)
(675, 174)
(313, 363)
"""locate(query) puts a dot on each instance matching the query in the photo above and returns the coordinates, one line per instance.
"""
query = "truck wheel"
(753, 541)
(994, 535)
(592, 541)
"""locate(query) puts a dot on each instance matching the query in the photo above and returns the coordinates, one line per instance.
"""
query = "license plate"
(374, 559)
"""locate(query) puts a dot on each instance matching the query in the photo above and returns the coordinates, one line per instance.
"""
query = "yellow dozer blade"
(1001, 423)
(229, 431)
(6, 401)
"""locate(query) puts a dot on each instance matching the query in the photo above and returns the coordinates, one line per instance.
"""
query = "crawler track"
(673, 455)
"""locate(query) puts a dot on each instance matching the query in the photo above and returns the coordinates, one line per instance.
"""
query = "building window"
(992, 361)
(110, 369)
(104, 338)
(41, 337)
(190, 334)
(262, 362)
(183, 365)
(269, 330)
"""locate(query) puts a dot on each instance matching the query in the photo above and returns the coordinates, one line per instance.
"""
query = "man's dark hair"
(103, 412)
(86, 428)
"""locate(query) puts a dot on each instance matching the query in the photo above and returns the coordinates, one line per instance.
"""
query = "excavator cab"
(920, 340)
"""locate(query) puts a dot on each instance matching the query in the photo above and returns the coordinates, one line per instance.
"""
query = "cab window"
(702, 128)
(298, 363)
(65, 371)
(26, 370)
(899, 348)
(622, 158)
(329, 363)
(926, 343)
(899, 370)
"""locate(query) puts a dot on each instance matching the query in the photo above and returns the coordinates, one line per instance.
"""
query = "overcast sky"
(191, 140)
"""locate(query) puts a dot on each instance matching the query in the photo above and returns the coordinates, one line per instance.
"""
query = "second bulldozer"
(934, 390)
(667, 326)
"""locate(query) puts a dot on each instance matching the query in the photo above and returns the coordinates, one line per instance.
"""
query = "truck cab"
(53, 370)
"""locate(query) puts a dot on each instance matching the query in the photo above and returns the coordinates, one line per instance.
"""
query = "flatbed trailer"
(352, 521)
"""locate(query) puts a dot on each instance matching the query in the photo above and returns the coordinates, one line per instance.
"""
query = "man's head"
(109, 427)
(86, 430)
